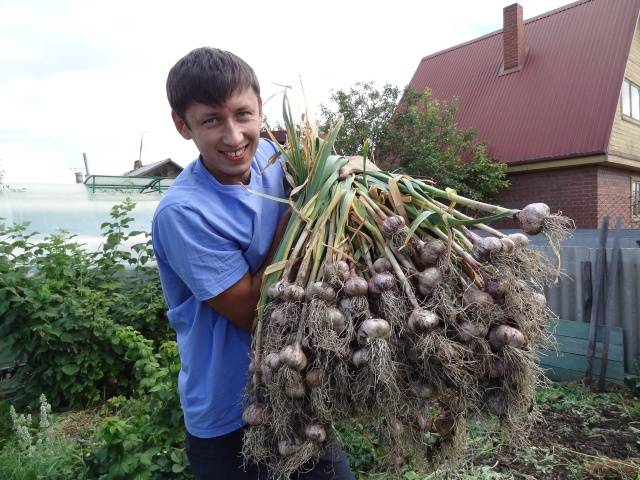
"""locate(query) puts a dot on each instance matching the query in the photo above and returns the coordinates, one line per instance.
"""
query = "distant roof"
(563, 101)
(280, 135)
(147, 170)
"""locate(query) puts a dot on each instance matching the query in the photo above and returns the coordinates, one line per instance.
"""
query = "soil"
(578, 442)
(74, 424)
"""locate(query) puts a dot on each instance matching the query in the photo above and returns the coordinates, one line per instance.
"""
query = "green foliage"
(35, 450)
(76, 317)
(361, 446)
(366, 113)
(425, 140)
(143, 437)
(577, 399)
(473, 473)
(420, 137)
(90, 327)
(58, 459)
(6, 426)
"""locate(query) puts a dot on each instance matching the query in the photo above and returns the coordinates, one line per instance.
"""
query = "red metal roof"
(562, 103)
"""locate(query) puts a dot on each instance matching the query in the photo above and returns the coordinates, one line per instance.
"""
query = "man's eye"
(210, 120)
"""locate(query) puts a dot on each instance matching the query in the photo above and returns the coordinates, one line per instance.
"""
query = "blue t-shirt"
(206, 236)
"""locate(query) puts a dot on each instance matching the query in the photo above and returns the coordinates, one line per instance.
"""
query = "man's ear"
(260, 105)
(181, 126)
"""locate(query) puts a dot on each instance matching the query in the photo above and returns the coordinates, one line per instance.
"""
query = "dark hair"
(208, 76)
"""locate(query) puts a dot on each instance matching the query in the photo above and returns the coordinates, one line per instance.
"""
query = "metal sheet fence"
(566, 299)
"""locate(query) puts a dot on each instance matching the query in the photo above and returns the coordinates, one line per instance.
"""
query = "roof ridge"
(497, 32)
(568, 6)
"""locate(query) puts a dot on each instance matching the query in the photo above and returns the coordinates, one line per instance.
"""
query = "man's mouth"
(235, 154)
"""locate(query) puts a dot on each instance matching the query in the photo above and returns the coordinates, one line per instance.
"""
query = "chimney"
(137, 164)
(513, 37)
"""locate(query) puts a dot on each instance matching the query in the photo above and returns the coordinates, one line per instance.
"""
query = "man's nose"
(232, 134)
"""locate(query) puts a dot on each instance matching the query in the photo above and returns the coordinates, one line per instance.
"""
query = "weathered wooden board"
(568, 360)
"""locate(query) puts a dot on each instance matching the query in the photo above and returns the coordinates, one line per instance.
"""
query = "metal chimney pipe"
(86, 164)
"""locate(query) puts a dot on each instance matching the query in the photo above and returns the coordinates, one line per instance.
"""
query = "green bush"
(417, 133)
(78, 318)
(360, 445)
(143, 437)
(91, 326)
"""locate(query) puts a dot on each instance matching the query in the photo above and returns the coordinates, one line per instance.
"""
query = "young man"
(212, 240)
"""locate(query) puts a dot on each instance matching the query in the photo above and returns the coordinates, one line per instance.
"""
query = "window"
(635, 199)
(630, 97)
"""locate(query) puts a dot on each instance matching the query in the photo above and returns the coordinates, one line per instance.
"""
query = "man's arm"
(238, 303)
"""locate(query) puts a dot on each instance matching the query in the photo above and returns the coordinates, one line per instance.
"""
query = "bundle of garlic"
(383, 304)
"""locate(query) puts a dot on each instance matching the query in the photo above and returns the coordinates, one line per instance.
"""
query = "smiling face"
(226, 135)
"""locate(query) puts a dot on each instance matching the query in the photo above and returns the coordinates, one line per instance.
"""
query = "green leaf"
(438, 219)
(70, 369)
(175, 457)
(148, 455)
(267, 196)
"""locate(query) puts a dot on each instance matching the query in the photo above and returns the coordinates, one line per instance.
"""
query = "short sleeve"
(205, 261)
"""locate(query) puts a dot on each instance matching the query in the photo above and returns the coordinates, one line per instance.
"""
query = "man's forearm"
(238, 303)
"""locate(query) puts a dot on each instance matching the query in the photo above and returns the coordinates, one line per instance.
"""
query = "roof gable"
(148, 170)
(562, 102)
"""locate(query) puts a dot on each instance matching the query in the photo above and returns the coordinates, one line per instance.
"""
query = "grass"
(58, 459)
(53, 455)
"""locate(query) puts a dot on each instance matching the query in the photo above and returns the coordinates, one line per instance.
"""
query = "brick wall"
(584, 194)
(572, 190)
(614, 195)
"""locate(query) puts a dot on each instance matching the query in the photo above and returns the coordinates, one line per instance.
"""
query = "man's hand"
(238, 303)
(354, 165)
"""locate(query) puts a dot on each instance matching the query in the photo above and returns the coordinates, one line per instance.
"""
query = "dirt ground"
(581, 435)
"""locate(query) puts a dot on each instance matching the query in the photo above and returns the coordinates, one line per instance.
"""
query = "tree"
(419, 137)
(366, 113)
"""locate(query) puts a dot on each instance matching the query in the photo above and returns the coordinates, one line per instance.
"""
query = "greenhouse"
(80, 209)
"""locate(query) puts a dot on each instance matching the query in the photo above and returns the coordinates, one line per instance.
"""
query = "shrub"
(76, 317)
(36, 451)
(143, 437)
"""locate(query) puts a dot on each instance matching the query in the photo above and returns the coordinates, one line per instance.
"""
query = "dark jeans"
(220, 458)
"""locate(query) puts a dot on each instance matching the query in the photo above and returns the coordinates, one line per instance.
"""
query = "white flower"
(45, 409)
(24, 437)
(14, 416)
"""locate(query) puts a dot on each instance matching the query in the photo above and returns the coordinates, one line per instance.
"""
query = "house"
(556, 98)
(279, 135)
(164, 168)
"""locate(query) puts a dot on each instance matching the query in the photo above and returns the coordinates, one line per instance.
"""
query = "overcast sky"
(89, 76)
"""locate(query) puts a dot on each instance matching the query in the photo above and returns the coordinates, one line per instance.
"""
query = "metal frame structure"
(122, 182)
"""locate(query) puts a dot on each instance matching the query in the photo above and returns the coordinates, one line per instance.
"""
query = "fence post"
(587, 291)
(612, 301)
(600, 273)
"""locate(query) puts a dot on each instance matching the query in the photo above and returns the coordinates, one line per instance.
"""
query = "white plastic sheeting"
(71, 207)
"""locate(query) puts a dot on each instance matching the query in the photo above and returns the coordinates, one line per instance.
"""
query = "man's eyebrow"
(208, 114)
(246, 106)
